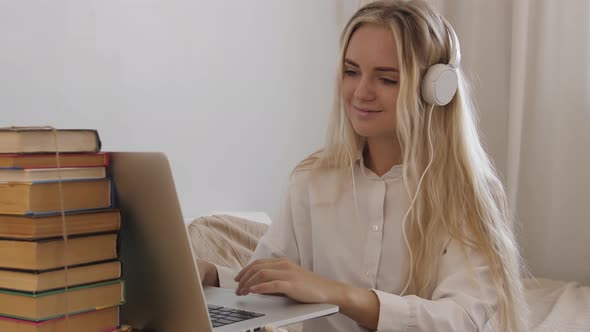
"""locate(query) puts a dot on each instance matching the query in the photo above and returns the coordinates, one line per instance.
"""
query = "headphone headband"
(455, 57)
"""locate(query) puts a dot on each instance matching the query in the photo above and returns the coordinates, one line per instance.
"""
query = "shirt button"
(367, 273)
(375, 228)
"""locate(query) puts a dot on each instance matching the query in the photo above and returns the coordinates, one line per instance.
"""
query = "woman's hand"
(208, 274)
(282, 276)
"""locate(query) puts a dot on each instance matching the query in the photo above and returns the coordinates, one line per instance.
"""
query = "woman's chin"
(375, 133)
(365, 131)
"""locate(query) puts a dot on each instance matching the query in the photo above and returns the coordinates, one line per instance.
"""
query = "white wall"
(235, 92)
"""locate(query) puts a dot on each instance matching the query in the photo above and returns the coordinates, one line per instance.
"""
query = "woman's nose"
(364, 90)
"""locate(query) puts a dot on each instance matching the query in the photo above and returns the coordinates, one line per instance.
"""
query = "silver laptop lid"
(163, 291)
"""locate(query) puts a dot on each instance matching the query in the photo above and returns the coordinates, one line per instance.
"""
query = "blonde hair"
(461, 194)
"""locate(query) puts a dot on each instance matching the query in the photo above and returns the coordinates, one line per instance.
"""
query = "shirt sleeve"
(465, 298)
(278, 241)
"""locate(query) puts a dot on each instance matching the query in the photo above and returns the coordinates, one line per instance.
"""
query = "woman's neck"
(382, 154)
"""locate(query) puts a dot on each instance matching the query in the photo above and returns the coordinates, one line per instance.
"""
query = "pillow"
(225, 240)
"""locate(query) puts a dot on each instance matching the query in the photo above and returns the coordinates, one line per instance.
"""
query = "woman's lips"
(365, 111)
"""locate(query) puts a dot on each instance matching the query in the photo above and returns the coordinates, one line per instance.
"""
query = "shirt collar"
(394, 173)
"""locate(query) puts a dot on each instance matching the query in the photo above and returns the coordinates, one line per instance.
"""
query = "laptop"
(163, 288)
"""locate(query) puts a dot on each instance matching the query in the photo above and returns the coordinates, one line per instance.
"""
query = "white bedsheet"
(558, 306)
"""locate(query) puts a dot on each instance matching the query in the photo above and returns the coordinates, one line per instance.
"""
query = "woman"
(400, 220)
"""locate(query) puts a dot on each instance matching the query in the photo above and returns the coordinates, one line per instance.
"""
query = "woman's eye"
(350, 73)
(388, 81)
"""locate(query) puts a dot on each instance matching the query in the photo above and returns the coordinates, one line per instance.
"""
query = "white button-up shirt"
(320, 230)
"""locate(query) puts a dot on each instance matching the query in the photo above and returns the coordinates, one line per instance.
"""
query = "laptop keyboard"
(221, 316)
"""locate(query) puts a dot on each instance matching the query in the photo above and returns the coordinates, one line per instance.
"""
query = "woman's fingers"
(263, 276)
(271, 287)
(255, 263)
(251, 271)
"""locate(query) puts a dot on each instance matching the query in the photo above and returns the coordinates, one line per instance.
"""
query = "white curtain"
(530, 60)
(529, 63)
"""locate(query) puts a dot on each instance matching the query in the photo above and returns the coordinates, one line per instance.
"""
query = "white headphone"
(440, 82)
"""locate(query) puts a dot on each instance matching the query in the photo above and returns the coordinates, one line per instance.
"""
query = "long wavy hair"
(461, 193)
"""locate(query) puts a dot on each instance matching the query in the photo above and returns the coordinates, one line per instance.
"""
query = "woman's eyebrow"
(386, 69)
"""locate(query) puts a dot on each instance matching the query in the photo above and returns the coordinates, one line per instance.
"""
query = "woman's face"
(370, 83)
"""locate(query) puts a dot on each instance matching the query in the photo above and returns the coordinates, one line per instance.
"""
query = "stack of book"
(48, 283)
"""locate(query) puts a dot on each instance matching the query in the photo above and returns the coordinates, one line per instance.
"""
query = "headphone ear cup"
(439, 84)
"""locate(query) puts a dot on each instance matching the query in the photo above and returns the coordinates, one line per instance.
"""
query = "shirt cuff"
(226, 277)
(394, 312)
